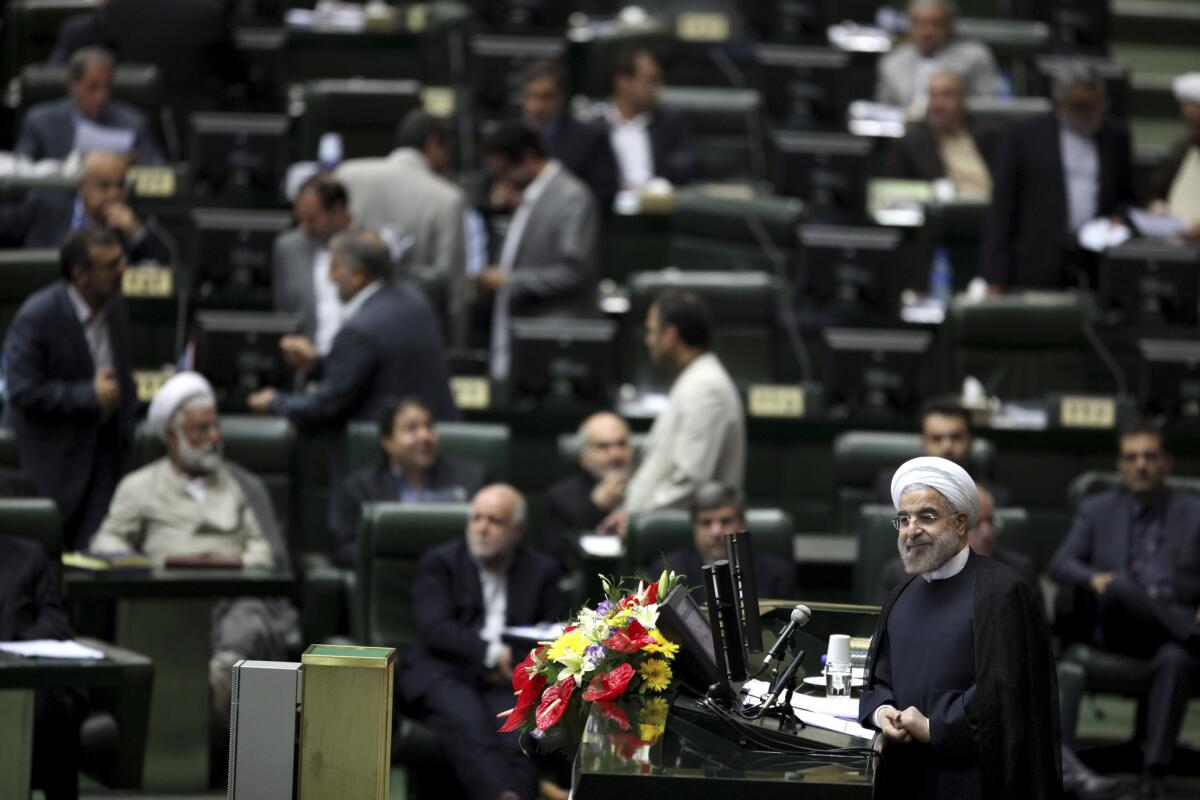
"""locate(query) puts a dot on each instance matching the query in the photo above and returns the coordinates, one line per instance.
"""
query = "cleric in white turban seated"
(192, 503)
(961, 677)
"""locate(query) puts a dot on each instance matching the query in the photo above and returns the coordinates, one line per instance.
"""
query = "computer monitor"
(497, 63)
(238, 155)
(827, 170)
(847, 272)
(1170, 383)
(803, 86)
(230, 256)
(238, 352)
(563, 359)
(363, 112)
(876, 369)
(1151, 279)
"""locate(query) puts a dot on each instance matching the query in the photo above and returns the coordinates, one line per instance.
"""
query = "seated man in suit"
(547, 265)
(904, 73)
(582, 500)
(46, 216)
(1176, 187)
(457, 676)
(1134, 553)
(581, 145)
(410, 471)
(300, 280)
(51, 129)
(31, 608)
(649, 141)
(946, 144)
(194, 504)
(719, 511)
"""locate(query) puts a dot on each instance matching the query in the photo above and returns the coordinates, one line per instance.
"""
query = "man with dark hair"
(52, 129)
(701, 435)
(1133, 555)
(581, 146)
(547, 265)
(649, 141)
(46, 216)
(411, 470)
(406, 193)
(300, 260)
(70, 397)
(719, 511)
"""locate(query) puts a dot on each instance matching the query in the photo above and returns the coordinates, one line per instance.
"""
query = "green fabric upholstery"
(714, 231)
(569, 445)
(726, 127)
(9, 457)
(484, 443)
(659, 532)
(23, 272)
(1093, 482)
(33, 518)
(364, 112)
(137, 85)
(391, 540)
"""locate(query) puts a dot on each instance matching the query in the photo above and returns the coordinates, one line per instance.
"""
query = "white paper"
(829, 713)
(90, 137)
(537, 633)
(50, 648)
(1156, 226)
(1099, 234)
(602, 545)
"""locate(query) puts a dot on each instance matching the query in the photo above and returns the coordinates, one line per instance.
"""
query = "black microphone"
(801, 614)
(784, 680)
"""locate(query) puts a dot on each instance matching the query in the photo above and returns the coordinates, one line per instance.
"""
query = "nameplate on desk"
(471, 392)
(152, 181)
(695, 26)
(147, 281)
(1087, 412)
(148, 382)
(438, 100)
(766, 400)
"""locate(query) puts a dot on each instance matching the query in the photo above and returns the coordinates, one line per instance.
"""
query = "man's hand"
(121, 217)
(1100, 582)
(298, 352)
(500, 674)
(616, 522)
(260, 401)
(492, 278)
(504, 195)
(889, 723)
(1193, 231)
(915, 723)
(610, 490)
(108, 390)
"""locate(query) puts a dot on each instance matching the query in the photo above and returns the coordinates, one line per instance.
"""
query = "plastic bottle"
(941, 277)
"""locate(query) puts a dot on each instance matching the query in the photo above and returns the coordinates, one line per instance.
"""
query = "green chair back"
(23, 272)
(726, 128)
(483, 443)
(36, 519)
(658, 532)
(715, 231)
(138, 85)
(569, 445)
(10, 458)
(364, 112)
(1096, 481)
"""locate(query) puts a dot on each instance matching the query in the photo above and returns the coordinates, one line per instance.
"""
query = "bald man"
(961, 677)
(580, 501)
(46, 216)
(456, 677)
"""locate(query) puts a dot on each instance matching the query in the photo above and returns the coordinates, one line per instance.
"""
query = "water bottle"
(329, 151)
(838, 672)
(941, 278)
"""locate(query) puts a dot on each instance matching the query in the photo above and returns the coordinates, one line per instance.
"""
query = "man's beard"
(929, 558)
(199, 461)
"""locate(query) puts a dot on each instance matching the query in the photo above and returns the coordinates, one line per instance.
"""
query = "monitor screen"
(803, 86)
(239, 353)
(876, 370)
(1151, 281)
(238, 154)
(563, 359)
(230, 256)
(844, 272)
(827, 170)
(1170, 383)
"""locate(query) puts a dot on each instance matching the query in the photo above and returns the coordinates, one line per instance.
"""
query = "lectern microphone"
(801, 614)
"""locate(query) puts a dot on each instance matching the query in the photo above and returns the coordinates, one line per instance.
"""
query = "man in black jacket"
(457, 676)
(412, 470)
(582, 500)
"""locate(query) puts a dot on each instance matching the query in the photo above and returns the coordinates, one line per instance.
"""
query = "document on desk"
(50, 648)
(831, 713)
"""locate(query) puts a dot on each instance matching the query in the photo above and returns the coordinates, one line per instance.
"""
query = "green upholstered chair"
(658, 532)
(726, 127)
(715, 231)
(23, 272)
(31, 27)
(137, 85)
(1094, 481)
(364, 112)
(484, 443)
(9, 457)
(35, 518)
(744, 310)
(569, 445)
(859, 457)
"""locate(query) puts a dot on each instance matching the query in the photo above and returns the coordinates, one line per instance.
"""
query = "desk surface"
(178, 583)
(41, 673)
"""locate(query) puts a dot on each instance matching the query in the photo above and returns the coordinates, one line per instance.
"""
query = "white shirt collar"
(82, 310)
(950, 568)
(411, 154)
(355, 304)
(615, 119)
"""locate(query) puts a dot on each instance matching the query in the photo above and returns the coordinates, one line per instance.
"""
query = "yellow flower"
(569, 644)
(656, 674)
(654, 711)
(661, 646)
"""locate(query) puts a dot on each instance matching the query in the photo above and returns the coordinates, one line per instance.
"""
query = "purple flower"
(594, 653)
(604, 608)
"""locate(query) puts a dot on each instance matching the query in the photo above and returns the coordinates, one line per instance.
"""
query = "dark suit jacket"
(1100, 539)
(392, 347)
(48, 130)
(776, 577)
(894, 574)
(30, 604)
(448, 603)
(584, 149)
(671, 147)
(1025, 234)
(916, 157)
(569, 504)
(43, 219)
(51, 403)
(376, 483)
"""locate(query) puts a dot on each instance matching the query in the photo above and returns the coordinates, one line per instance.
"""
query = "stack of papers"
(829, 713)
(50, 648)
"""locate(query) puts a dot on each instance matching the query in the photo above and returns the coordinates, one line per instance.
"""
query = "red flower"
(632, 639)
(651, 594)
(520, 675)
(527, 695)
(554, 703)
(610, 685)
(614, 712)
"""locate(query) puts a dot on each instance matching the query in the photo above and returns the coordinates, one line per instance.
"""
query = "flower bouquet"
(606, 652)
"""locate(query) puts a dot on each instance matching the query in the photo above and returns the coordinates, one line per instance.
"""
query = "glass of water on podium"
(838, 672)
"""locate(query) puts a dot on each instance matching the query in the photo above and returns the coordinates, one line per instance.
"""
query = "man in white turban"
(1176, 185)
(961, 677)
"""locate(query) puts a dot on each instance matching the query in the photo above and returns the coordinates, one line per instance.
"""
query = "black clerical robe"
(974, 649)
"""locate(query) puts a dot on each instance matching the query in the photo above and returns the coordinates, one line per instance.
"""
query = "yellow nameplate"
(1087, 412)
(471, 393)
(438, 100)
(152, 181)
(148, 382)
(776, 401)
(693, 26)
(148, 281)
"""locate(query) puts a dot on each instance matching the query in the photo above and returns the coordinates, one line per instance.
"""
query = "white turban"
(943, 476)
(1187, 87)
(174, 394)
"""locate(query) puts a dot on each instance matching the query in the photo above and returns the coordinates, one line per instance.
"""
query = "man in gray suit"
(406, 192)
(49, 129)
(547, 264)
(300, 280)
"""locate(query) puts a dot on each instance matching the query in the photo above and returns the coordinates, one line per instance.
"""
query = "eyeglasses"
(925, 519)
